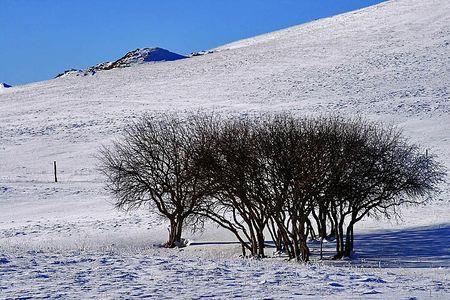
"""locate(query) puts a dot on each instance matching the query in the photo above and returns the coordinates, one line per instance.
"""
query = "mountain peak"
(143, 55)
(134, 57)
(4, 85)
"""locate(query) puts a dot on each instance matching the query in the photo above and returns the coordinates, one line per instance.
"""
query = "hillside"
(389, 62)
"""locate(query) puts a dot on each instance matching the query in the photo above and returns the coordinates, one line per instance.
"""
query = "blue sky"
(40, 38)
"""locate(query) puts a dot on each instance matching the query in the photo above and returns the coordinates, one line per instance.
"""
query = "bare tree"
(390, 173)
(274, 173)
(373, 169)
(152, 165)
(345, 169)
(238, 203)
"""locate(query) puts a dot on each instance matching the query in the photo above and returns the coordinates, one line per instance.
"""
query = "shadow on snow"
(422, 247)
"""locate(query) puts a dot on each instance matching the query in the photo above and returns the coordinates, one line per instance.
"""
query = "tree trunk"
(176, 226)
(179, 230)
(332, 227)
(172, 233)
(339, 240)
(334, 220)
(295, 240)
(260, 243)
(253, 238)
(322, 223)
(276, 235)
(349, 240)
(310, 230)
(296, 248)
(304, 250)
(288, 247)
(280, 244)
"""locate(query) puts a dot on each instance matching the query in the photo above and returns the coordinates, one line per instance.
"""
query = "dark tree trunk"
(321, 220)
(297, 254)
(339, 240)
(276, 235)
(254, 242)
(279, 241)
(333, 230)
(243, 250)
(317, 220)
(304, 250)
(349, 240)
(259, 228)
(287, 243)
(260, 244)
(310, 230)
(176, 228)
(283, 235)
(172, 233)
(179, 230)
(295, 240)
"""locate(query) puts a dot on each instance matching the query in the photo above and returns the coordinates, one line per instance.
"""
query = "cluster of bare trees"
(289, 178)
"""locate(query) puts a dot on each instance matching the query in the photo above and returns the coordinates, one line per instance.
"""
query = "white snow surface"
(389, 62)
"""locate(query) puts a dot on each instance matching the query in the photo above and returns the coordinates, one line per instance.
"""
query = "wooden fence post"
(54, 170)
(321, 248)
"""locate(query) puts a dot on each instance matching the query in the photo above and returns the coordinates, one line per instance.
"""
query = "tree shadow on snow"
(422, 247)
(213, 243)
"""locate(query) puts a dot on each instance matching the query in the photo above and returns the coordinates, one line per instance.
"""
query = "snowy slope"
(388, 62)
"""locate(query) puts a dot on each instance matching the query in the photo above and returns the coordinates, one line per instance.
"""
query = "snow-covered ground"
(389, 62)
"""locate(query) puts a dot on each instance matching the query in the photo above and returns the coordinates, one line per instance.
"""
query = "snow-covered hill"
(389, 62)
(132, 58)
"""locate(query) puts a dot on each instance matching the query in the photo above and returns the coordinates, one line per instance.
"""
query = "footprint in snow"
(372, 279)
(4, 260)
(372, 292)
(335, 284)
